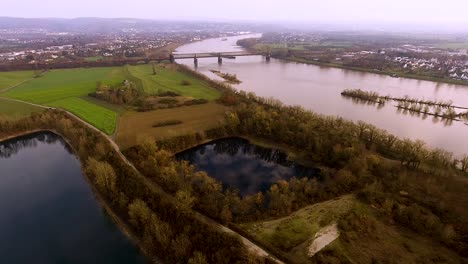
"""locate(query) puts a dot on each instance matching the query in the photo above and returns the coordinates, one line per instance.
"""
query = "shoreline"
(118, 222)
(292, 154)
(357, 69)
(397, 75)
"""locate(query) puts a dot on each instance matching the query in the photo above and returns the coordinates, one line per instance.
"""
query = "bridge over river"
(219, 55)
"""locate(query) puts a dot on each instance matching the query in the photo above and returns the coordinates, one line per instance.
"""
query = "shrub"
(168, 101)
(185, 83)
(195, 102)
(167, 123)
(169, 94)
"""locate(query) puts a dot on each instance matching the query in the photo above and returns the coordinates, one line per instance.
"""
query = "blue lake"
(48, 211)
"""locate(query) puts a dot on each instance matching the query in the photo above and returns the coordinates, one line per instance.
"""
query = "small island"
(228, 77)
(442, 109)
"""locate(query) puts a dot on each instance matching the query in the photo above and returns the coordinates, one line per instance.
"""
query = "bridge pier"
(220, 60)
(171, 58)
(268, 57)
(195, 61)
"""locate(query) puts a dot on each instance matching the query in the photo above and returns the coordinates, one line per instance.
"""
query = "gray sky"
(421, 11)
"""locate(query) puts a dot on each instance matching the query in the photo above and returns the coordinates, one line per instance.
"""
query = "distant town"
(20, 47)
(395, 54)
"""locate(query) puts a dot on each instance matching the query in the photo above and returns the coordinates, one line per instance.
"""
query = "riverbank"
(317, 89)
(390, 74)
(358, 69)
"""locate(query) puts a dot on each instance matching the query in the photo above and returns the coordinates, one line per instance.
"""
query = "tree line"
(357, 158)
(165, 226)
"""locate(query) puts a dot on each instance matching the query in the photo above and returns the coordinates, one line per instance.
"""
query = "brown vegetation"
(356, 157)
(135, 127)
(149, 210)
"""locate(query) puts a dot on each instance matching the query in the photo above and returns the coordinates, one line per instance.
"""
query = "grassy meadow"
(14, 110)
(63, 89)
(60, 84)
(69, 88)
(135, 127)
(293, 234)
(11, 79)
(98, 116)
(169, 79)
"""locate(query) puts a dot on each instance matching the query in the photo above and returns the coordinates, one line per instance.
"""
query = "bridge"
(219, 55)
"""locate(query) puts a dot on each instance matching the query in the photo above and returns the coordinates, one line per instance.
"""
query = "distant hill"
(104, 25)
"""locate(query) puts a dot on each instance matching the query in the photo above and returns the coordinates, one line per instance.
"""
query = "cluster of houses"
(50, 48)
(455, 68)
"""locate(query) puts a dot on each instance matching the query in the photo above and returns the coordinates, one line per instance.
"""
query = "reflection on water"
(319, 89)
(244, 166)
(12, 147)
(48, 211)
(403, 111)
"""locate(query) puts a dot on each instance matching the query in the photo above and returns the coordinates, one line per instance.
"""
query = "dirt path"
(249, 244)
(323, 237)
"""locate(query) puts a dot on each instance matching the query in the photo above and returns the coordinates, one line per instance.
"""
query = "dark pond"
(244, 166)
(48, 212)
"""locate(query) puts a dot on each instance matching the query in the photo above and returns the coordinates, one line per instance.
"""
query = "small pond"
(48, 211)
(244, 166)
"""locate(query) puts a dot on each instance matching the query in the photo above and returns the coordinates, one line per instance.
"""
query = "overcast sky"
(421, 11)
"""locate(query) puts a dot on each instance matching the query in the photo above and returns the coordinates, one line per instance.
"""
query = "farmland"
(98, 116)
(11, 79)
(69, 88)
(63, 89)
(60, 84)
(167, 78)
(14, 110)
(134, 127)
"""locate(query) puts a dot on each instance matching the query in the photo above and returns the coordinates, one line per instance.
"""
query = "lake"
(48, 211)
(243, 166)
(318, 89)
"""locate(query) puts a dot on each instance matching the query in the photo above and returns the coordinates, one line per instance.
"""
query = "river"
(318, 89)
(48, 211)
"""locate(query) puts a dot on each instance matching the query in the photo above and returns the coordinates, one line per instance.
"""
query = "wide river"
(318, 89)
(48, 211)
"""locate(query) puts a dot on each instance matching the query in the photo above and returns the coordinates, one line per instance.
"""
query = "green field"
(15, 110)
(69, 88)
(96, 115)
(61, 84)
(294, 233)
(64, 89)
(11, 79)
(169, 79)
